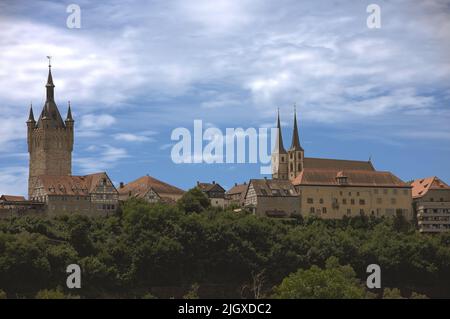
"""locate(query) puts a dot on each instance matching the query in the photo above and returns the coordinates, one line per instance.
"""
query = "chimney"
(214, 182)
(265, 177)
(121, 185)
(235, 184)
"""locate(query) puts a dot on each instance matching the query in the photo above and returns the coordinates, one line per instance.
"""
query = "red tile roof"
(142, 185)
(326, 163)
(421, 186)
(353, 178)
(237, 189)
(12, 198)
(71, 185)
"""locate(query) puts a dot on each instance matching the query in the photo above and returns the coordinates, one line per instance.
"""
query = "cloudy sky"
(135, 71)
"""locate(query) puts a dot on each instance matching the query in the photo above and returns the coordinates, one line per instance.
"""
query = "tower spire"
(279, 147)
(69, 113)
(50, 86)
(295, 139)
(31, 116)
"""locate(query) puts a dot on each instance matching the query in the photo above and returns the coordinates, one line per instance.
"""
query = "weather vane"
(49, 57)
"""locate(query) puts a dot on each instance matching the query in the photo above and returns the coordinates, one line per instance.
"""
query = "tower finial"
(69, 113)
(50, 86)
(31, 115)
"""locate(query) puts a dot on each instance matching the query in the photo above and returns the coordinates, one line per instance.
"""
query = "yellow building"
(332, 193)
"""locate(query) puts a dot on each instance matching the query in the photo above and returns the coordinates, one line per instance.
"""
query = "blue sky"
(137, 70)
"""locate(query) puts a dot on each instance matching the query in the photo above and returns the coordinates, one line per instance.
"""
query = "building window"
(405, 192)
(321, 201)
(310, 200)
(311, 210)
(344, 201)
(352, 201)
(393, 201)
(324, 210)
(357, 193)
(362, 202)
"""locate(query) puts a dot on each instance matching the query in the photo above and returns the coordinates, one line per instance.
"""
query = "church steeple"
(50, 110)
(295, 139)
(50, 86)
(279, 147)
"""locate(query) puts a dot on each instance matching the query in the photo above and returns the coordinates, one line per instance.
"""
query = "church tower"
(50, 139)
(295, 153)
(279, 155)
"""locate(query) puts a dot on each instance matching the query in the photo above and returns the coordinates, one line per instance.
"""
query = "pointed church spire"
(50, 110)
(279, 147)
(31, 116)
(295, 139)
(69, 114)
(50, 86)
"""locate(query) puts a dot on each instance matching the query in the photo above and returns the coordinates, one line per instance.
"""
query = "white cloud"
(96, 122)
(105, 157)
(128, 137)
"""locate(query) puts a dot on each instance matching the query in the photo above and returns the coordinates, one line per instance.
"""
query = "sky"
(137, 70)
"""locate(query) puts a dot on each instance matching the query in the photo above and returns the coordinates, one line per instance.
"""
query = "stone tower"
(50, 139)
(295, 153)
(279, 155)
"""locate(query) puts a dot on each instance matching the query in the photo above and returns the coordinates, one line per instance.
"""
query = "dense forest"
(192, 250)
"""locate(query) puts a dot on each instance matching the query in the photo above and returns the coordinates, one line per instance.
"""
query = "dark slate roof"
(273, 188)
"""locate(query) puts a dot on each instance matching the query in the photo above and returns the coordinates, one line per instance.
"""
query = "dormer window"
(341, 178)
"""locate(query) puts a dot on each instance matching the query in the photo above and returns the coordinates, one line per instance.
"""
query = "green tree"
(194, 201)
(333, 282)
(50, 294)
(392, 293)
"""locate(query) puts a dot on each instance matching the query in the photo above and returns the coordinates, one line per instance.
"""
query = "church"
(51, 185)
(334, 188)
